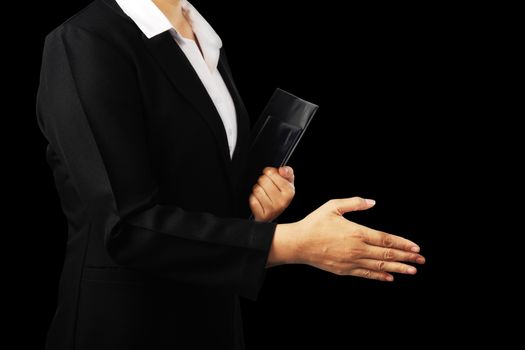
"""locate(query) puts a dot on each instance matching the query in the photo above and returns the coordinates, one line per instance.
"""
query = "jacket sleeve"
(89, 108)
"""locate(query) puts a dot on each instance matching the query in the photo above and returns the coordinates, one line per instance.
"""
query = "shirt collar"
(152, 22)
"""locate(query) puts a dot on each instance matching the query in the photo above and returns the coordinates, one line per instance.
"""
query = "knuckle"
(387, 240)
(366, 274)
(330, 265)
(388, 254)
(380, 266)
(354, 253)
(269, 171)
(340, 259)
(358, 233)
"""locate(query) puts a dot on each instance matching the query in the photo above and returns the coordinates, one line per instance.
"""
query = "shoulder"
(102, 20)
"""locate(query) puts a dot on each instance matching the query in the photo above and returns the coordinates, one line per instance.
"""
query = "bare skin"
(327, 240)
(172, 9)
(324, 239)
(272, 193)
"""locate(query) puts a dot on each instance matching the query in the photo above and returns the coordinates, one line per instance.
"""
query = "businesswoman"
(147, 143)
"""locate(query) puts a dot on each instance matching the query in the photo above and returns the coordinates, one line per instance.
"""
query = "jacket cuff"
(253, 266)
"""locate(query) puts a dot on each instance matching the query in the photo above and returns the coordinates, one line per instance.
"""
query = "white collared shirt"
(151, 21)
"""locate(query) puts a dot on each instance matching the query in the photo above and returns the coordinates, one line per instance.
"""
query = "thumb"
(345, 205)
(287, 173)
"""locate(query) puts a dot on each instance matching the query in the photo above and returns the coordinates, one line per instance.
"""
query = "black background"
(388, 79)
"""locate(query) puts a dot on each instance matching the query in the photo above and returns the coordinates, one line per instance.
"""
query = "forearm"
(285, 245)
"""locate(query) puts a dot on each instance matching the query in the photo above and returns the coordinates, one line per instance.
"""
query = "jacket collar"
(152, 22)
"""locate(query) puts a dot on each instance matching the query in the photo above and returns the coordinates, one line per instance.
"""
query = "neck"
(172, 9)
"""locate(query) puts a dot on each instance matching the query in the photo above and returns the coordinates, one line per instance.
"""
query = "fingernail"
(370, 201)
(389, 278)
(420, 260)
(412, 270)
(415, 249)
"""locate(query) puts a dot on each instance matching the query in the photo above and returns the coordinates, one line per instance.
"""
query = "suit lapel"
(240, 155)
(243, 120)
(182, 75)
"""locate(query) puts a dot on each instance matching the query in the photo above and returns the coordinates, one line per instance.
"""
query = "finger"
(269, 187)
(373, 275)
(392, 254)
(256, 205)
(345, 205)
(261, 195)
(387, 266)
(280, 182)
(383, 239)
(287, 173)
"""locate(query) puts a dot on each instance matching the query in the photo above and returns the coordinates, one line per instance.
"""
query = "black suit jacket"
(157, 253)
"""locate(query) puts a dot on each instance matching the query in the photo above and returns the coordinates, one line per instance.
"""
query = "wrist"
(284, 249)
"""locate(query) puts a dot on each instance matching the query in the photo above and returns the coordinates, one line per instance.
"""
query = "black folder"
(277, 132)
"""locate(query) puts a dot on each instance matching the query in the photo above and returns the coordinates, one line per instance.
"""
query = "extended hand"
(272, 193)
(327, 240)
